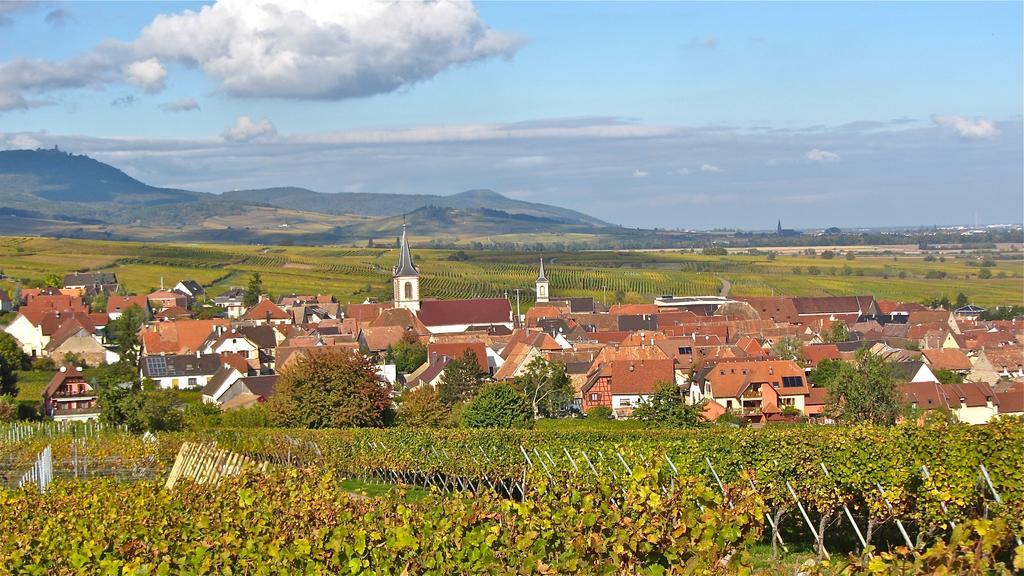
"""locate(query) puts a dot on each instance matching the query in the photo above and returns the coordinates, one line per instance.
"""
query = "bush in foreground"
(498, 405)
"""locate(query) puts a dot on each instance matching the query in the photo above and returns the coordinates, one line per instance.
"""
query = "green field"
(352, 274)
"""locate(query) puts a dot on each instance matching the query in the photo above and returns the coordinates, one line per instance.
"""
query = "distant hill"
(52, 192)
(61, 177)
(365, 204)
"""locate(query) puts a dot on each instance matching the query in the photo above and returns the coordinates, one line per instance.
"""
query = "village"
(747, 360)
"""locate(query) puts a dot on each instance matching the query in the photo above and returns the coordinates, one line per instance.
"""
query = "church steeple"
(542, 284)
(406, 278)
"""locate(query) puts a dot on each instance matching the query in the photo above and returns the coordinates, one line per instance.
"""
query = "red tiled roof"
(378, 338)
(632, 309)
(117, 303)
(179, 336)
(264, 310)
(729, 378)
(635, 376)
(1012, 401)
(947, 359)
(478, 311)
(455, 350)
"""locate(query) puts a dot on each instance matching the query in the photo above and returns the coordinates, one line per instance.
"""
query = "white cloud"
(528, 161)
(821, 156)
(19, 142)
(974, 129)
(709, 168)
(638, 173)
(180, 105)
(288, 49)
(246, 129)
(681, 172)
(147, 74)
(327, 50)
(12, 101)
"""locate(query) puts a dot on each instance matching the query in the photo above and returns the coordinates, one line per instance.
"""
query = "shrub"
(422, 408)
(498, 405)
(599, 413)
(43, 363)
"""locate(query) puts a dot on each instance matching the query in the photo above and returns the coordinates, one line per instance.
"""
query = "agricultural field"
(898, 500)
(353, 274)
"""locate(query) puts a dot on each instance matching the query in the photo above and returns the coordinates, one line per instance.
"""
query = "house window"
(685, 350)
(788, 401)
(792, 381)
(243, 353)
(193, 382)
(595, 397)
(625, 402)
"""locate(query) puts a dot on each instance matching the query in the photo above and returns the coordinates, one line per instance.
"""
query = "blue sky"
(688, 115)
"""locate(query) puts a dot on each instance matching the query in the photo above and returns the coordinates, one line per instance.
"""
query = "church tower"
(406, 278)
(542, 285)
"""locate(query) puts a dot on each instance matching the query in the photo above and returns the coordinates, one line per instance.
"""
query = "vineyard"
(353, 274)
(644, 501)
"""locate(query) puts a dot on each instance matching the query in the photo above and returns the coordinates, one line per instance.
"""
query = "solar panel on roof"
(157, 366)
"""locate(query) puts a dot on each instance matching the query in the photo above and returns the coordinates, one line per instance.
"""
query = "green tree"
(11, 360)
(124, 333)
(253, 291)
(330, 389)
(422, 408)
(667, 407)
(828, 254)
(99, 303)
(824, 372)
(119, 394)
(838, 332)
(409, 354)
(961, 300)
(162, 411)
(867, 392)
(460, 379)
(546, 385)
(984, 274)
(789, 348)
(949, 377)
(53, 281)
(498, 405)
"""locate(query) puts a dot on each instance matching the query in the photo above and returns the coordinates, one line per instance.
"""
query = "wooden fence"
(205, 463)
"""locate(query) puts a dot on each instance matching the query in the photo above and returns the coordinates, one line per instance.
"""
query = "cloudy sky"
(680, 115)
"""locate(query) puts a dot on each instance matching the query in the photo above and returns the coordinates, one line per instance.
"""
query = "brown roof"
(179, 336)
(476, 311)
(928, 317)
(947, 359)
(1012, 400)
(399, 317)
(174, 312)
(117, 303)
(65, 373)
(832, 304)
(633, 376)
(816, 396)
(455, 350)
(631, 309)
(891, 306)
(364, 312)
(378, 338)
(729, 378)
(1009, 357)
(66, 331)
(265, 309)
(777, 308)
(814, 354)
(930, 395)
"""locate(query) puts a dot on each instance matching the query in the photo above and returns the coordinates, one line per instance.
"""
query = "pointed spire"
(541, 277)
(405, 266)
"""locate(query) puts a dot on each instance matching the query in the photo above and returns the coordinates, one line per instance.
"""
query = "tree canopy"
(253, 291)
(546, 385)
(11, 360)
(124, 333)
(460, 379)
(422, 408)
(667, 407)
(498, 405)
(330, 388)
(867, 392)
